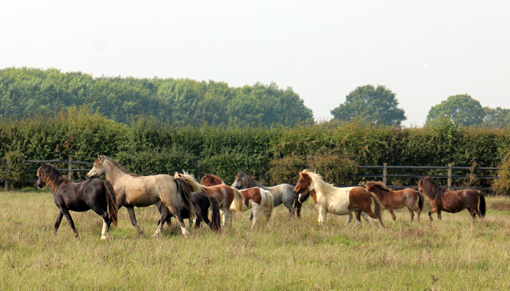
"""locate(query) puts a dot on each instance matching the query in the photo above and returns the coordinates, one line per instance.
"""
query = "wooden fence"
(384, 175)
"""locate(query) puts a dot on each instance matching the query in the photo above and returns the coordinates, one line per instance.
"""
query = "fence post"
(384, 173)
(450, 176)
(6, 184)
(69, 168)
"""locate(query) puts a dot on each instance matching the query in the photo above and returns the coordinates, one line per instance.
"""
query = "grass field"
(452, 254)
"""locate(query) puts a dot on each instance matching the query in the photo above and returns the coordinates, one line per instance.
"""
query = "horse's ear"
(42, 164)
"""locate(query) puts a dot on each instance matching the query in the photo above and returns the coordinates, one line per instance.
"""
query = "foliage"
(502, 184)
(376, 105)
(496, 117)
(285, 170)
(460, 109)
(11, 168)
(25, 92)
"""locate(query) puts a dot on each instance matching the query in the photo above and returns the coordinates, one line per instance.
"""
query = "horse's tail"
(269, 204)
(482, 203)
(378, 207)
(184, 191)
(420, 200)
(215, 219)
(111, 201)
(238, 200)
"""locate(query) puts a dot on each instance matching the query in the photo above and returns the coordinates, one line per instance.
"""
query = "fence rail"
(384, 175)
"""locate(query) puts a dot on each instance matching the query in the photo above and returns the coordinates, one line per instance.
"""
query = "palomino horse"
(258, 200)
(339, 201)
(201, 204)
(94, 194)
(281, 193)
(452, 201)
(397, 199)
(223, 194)
(142, 191)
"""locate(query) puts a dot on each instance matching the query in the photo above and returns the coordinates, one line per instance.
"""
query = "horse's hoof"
(103, 237)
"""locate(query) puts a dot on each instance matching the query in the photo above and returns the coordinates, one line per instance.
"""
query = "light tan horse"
(142, 191)
(224, 195)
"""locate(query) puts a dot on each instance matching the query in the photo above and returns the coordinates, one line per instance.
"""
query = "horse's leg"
(59, 219)
(106, 220)
(411, 213)
(439, 214)
(70, 220)
(473, 213)
(132, 216)
(392, 213)
(365, 217)
(254, 213)
(322, 215)
(358, 219)
(372, 215)
(430, 213)
(349, 218)
(298, 209)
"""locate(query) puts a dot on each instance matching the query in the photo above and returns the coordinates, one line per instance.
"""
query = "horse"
(142, 191)
(211, 180)
(224, 195)
(339, 201)
(258, 200)
(397, 199)
(281, 193)
(95, 194)
(442, 199)
(201, 203)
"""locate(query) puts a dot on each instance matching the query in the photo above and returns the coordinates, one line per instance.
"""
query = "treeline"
(25, 92)
(148, 146)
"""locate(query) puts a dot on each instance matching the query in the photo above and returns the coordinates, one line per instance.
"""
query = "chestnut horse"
(442, 199)
(339, 201)
(223, 194)
(142, 191)
(95, 194)
(397, 199)
(258, 200)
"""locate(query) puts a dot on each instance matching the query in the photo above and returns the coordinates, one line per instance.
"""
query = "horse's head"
(370, 186)
(238, 183)
(48, 175)
(303, 185)
(41, 173)
(98, 169)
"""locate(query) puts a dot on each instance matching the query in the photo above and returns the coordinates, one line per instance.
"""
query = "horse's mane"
(193, 183)
(248, 181)
(119, 166)
(320, 185)
(379, 185)
(430, 188)
(52, 176)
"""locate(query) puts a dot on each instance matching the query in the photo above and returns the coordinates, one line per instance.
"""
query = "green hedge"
(148, 146)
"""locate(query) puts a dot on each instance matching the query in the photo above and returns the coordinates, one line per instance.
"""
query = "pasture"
(452, 254)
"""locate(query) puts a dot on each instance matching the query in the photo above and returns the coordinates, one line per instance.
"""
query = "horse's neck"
(113, 173)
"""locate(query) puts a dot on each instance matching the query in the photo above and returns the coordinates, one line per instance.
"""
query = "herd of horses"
(183, 197)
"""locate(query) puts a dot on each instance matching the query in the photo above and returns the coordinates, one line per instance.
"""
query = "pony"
(282, 193)
(142, 191)
(259, 201)
(201, 203)
(339, 201)
(94, 194)
(397, 199)
(224, 195)
(442, 199)
(211, 180)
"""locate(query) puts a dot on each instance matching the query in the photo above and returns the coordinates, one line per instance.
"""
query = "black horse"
(95, 194)
(201, 204)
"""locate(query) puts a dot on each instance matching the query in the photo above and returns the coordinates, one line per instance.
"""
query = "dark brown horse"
(442, 199)
(95, 194)
(397, 199)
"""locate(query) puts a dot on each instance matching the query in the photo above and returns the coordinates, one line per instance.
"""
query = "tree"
(460, 109)
(496, 117)
(376, 105)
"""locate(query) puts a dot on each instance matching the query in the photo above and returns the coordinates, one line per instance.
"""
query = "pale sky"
(424, 51)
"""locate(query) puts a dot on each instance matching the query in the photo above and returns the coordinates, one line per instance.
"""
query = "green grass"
(452, 254)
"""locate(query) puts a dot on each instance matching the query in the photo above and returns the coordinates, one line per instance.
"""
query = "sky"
(424, 51)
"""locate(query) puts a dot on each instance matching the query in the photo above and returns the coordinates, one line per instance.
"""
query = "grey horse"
(282, 193)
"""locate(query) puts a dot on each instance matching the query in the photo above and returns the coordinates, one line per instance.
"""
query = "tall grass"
(451, 254)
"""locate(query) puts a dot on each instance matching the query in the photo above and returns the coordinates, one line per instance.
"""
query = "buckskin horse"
(142, 191)
(442, 199)
(397, 199)
(339, 201)
(224, 195)
(95, 194)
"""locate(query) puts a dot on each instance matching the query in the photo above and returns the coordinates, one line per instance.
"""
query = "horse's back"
(82, 196)
(147, 190)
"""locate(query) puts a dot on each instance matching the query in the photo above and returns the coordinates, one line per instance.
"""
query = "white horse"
(339, 201)
(258, 200)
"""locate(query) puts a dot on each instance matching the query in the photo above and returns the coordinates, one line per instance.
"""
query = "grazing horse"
(339, 201)
(281, 193)
(258, 200)
(397, 199)
(224, 195)
(201, 203)
(95, 194)
(452, 201)
(142, 191)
